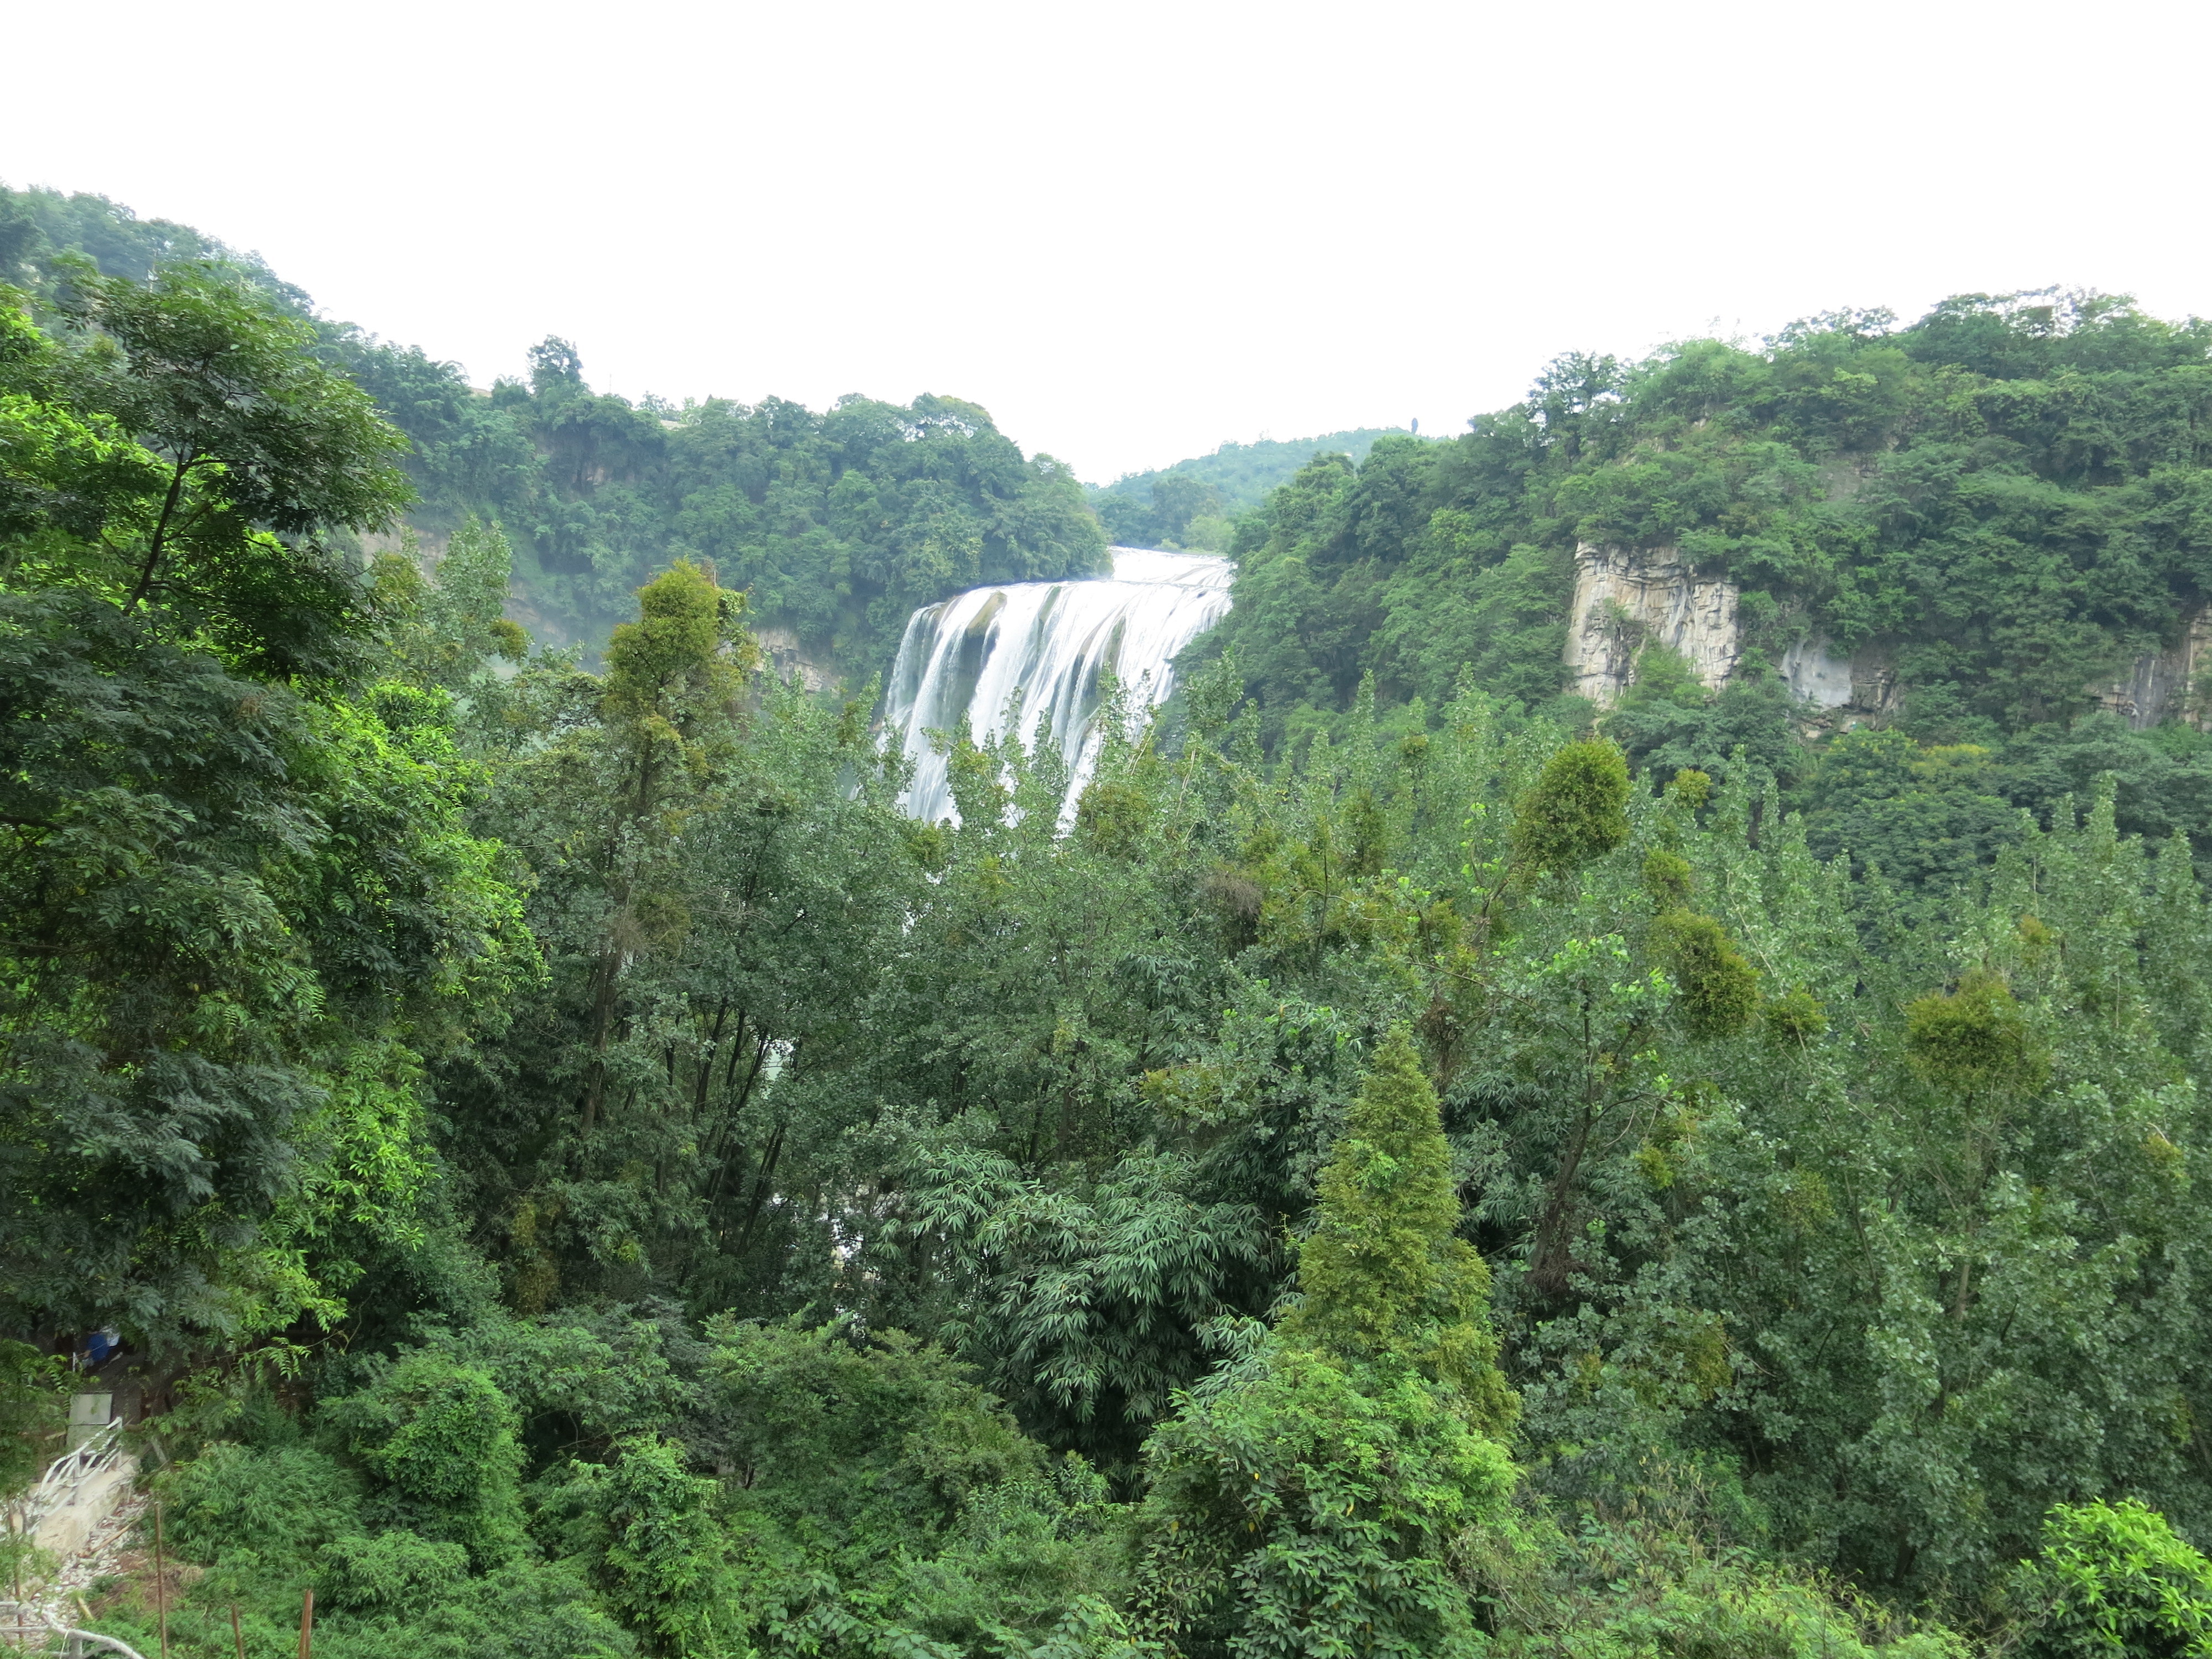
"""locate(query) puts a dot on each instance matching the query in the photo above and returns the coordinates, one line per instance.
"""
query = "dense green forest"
(1194, 503)
(1412, 1171)
(838, 523)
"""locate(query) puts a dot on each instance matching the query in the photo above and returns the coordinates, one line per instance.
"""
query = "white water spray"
(1049, 641)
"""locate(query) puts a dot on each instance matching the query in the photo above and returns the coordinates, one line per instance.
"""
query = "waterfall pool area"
(1048, 641)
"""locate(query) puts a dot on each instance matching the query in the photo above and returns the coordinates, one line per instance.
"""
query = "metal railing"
(60, 1484)
(29, 1629)
(27, 1626)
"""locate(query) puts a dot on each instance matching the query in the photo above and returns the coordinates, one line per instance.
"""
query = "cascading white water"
(1048, 640)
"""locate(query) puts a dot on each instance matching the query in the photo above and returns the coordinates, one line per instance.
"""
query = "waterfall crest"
(1048, 640)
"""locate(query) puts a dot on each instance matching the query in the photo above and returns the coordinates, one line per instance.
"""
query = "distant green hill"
(1190, 503)
(837, 523)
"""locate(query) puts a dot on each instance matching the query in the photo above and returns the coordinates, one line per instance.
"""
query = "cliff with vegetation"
(1987, 533)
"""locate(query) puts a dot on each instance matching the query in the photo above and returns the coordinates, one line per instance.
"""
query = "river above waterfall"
(1048, 641)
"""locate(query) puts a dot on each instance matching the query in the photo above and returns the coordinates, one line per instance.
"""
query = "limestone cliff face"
(2169, 685)
(1817, 676)
(1625, 596)
(786, 656)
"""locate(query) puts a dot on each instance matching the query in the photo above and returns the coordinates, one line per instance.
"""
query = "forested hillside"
(2009, 500)
(1192, 503)
(837, 523)
(572, 1170)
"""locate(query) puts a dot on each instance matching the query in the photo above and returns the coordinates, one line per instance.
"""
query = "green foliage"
(1973, 1039)
(1796, 1016)
(668, 665)
(39, 226)
(441, 1438)
(665, 1560)
(263, 451)
(1719, 989)
(239, 906)
(458, 624)
(1192, 503)
(1037, 1564)
(1113, 816)
(1302, 1508)
(888, 1432)
(1921, 815)
(1629, 1587)
(520, 1107)
(1690, 786)
(1669, 879)
(837, 523)
(586, 1378)
(1931, 814)
(389, 1572)
(1094, 1300)
(1308, 1498)
(30, 1412)
(1383, 1274)
(2113, 1579)
(395, 1602)
(266, 1510)
(1576, 811)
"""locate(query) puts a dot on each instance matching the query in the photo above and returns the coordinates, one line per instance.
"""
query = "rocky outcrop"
(2168, 684)
(1816, 675)
(788, 657)
(1626, 597)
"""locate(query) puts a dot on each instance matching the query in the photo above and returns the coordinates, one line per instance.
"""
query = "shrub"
(1667, 877)
(879, 1438)
(1691, 788)
(1795, 1017)
(2114, 1580)
(275, 1508)
(665, 1564)
(1384, 1275)
(440, 1436)
(30, 1411)
(1974, 1039)
(395, 1572)
(1114, 817)
(1311, 1500)
(1309, 1510)
(1718, 989)
(1578, 810)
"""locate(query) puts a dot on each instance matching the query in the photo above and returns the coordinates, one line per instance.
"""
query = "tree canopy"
(837, 523)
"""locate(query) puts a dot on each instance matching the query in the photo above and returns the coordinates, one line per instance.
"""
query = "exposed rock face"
(1627, 596)
(788, 657)
(1816, 675)
(2168, 684)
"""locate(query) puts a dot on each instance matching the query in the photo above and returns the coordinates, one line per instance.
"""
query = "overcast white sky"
(1133, 230)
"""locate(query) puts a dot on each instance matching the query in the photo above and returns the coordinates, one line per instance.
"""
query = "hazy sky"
(1130, 231)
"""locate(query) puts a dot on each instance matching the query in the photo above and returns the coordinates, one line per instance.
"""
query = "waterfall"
(1048, 640)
